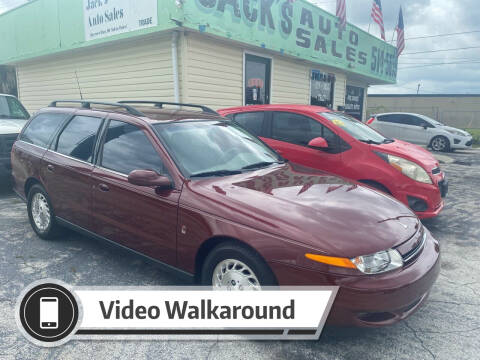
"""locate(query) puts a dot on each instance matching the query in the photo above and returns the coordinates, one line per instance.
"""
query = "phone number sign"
(104, 18)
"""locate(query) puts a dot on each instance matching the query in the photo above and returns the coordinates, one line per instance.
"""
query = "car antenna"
(78, 84)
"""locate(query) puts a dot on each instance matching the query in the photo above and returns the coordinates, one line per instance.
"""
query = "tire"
(440, 143)
(40, 213)
(240, 268)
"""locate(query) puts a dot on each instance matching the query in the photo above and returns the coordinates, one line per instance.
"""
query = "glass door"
(257, 80)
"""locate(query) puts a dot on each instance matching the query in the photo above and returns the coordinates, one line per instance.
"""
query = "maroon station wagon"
(197, 193)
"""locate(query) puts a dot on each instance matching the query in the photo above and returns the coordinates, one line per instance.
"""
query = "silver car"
(421, 130)
(13, 117)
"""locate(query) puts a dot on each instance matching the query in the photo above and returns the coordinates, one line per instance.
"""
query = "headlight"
(407, 168)
(379, 262)
(455, 132)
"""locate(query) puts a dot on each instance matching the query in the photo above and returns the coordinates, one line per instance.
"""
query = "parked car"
(337, 143)
(200, 194)
(13, 117)
(421, 130)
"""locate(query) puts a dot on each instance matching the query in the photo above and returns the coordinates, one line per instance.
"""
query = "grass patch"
(476, 136)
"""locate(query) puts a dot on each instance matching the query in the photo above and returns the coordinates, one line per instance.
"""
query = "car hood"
(325, 212)
(11, 126)
(410, 152)
(445, 127)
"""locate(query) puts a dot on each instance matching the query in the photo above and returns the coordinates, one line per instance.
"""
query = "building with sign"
(219, 53)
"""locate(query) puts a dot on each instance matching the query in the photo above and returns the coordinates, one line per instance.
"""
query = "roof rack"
(159, 104)
(86, 105)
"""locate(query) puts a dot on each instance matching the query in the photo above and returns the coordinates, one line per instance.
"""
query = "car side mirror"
(318, 143)
(425, 126)
(149, 178)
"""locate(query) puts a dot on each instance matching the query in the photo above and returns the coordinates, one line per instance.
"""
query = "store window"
(321, 93)
(257, 80)
(354, 101)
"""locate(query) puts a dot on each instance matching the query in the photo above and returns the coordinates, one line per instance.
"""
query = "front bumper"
(373, 300)
(461, 142)
(431, 195)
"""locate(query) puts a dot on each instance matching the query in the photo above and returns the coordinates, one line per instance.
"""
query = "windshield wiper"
(388, 141)
(216, 173)
(261, 165)
(370, 142)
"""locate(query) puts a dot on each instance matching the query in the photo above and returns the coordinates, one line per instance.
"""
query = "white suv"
(13, 117)
(421, 130)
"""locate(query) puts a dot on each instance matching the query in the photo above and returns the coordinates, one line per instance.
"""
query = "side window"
(42, 128)
(386, 118)
(401, 119)
(295, 128)
(414, 121)
(78, 138)
(253, 121)
(127, 148)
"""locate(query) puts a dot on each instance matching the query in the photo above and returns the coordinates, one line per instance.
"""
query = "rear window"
(42, 128)
(252, 121)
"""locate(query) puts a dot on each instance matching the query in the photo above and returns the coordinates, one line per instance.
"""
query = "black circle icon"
(48, 312)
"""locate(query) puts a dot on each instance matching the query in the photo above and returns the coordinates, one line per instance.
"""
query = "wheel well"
(211, 243)
(28, 185)
(376, 185)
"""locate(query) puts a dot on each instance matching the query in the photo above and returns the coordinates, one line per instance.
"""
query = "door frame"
(253, 53)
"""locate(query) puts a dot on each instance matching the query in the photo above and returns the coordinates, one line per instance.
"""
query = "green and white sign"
(297, 28)
(104, 18)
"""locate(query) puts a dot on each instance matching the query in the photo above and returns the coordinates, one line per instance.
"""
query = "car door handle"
(103, 187)
(50, 168)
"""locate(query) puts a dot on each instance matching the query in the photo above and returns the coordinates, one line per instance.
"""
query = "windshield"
(214, 148)
(433, 121)
(355, 128)
(10, 108)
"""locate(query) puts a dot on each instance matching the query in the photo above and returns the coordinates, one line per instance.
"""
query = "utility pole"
(418, 88)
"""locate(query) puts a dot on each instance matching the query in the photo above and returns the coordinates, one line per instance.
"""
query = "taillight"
(369, 121)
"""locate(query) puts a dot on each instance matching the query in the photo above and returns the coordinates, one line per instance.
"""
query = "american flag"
(377, 16)
(400, 33)
(342, 13)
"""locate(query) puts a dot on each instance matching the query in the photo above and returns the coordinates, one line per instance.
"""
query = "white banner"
(103, 18)
(188, 309)
(49, 313)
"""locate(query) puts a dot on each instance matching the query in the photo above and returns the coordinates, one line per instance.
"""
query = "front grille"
(6, 143)
(436, 171)
(469, 143)
(413, 254)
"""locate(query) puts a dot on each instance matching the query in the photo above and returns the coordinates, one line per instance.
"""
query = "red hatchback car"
(198, 193)
(332, 141)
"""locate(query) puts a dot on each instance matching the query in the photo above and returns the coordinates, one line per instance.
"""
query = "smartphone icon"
(48, 313)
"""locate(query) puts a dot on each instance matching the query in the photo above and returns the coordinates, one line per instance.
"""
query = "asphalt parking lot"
(447, 327)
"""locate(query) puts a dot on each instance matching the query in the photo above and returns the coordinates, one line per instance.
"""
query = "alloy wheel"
(40, 212)
(439, 143)
(232, 274)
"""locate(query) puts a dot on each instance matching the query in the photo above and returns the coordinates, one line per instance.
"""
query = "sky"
(422, 18)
